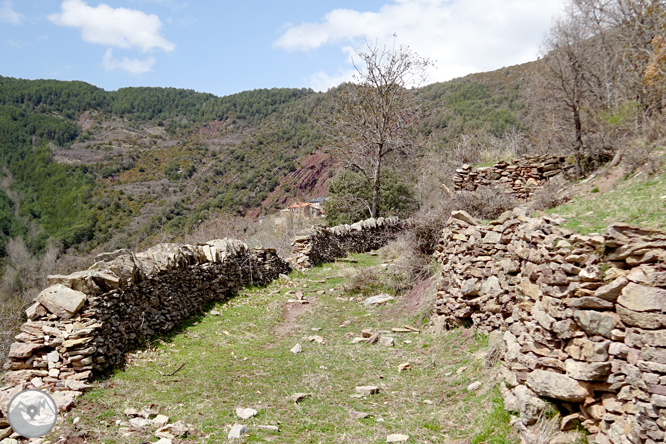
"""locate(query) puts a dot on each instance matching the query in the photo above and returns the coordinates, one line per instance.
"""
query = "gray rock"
(296, 349)
(139, 423)
(378, 300)
(474, 385)
(529, 406)
(387, 341)
(298, 397)
(246, 413)
(641, 319)
(555, 385)
(491, 287)
(595, 323)
(641, 298)
(61, 301)
(585, 371)
(465, 217)
(397, 437)
(367, 390)
(237, 431)
(269, 428)
(610, 292)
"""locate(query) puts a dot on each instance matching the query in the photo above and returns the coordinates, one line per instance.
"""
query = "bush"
(552, 195)
(486, 202)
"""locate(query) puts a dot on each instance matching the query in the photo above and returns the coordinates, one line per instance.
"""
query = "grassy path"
(241, 358)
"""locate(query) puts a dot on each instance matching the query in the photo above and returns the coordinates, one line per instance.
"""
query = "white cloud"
(8, 15)
(119, 27)
(132, 66)
(460, 36)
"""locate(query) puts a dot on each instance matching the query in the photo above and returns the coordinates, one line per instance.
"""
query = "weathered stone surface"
(21, 351)
(641, 298)
(586, 371)
(61, 301)
(610, 292)
(464, 216)
(237, 431)
(595, 323)
(378, 300)
(583, 350)
(641, 319)
(554, 385)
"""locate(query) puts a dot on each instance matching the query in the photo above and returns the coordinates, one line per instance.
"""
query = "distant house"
(305, 209)
(318, 203)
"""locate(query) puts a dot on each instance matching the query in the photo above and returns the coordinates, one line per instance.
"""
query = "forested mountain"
(91, 168)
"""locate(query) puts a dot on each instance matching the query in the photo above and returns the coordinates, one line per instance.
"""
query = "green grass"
(637, 201)
(242, 358)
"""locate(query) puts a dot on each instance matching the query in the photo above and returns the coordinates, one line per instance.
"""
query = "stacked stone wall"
(320, 244)
(83, 324)
(582, 318)
(520, 177)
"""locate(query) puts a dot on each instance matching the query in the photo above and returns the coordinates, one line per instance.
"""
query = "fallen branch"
(174, 372)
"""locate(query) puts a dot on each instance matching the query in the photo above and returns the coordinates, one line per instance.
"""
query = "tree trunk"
(376, 193)
(579, 141)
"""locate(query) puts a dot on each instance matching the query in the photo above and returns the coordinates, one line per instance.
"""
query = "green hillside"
(114, 168)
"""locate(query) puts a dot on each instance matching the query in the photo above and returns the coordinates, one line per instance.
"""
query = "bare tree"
(567, 83)
(377, 116)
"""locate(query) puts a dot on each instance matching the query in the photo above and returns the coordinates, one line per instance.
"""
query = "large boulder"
(61, 301)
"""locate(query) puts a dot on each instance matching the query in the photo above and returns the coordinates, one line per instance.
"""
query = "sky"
(225, 47)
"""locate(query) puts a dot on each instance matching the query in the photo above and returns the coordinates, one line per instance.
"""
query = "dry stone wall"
(83, 324)
(520, 177)
(320, 244)
(582, 318)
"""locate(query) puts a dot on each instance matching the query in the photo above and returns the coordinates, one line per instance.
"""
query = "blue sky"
(223, 47)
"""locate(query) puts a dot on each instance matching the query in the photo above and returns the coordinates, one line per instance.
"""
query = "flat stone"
(19, 350)
(378, 300)
(594, 322)
(237, 431)
(587, 371)
(641, 319)
(641, 298)
(387, 341)
(160, 421)
(397, 437)
(464, 216)
(358, 415)
(246, 413)
(558, 386)
(296, 349)
(611, 292)
(473, 386)
(61, 301)
(529, 289)
(367, 390)
(590, 302)
(492, 237)
(298, 397)
(171, 431)
(139, 423)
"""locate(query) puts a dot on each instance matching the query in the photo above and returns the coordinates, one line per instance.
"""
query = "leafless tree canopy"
(376, 116)
(604, 75)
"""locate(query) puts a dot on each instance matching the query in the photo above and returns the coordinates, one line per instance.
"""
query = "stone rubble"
(582, 318)
(520, 177)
